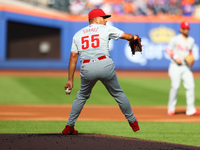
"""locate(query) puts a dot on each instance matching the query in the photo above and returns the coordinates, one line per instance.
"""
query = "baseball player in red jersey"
(92, 45)
(178, 49)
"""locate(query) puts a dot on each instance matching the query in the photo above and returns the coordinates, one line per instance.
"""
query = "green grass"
(43, 90)
(146, 92)
(181, 133)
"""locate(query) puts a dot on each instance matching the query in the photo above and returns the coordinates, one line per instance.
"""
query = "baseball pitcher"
(92, 45)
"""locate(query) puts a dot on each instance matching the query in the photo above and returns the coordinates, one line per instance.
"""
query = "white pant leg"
(175, 76)
(188, 82)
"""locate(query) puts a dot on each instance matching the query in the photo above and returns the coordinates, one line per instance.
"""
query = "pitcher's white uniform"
(181, 47)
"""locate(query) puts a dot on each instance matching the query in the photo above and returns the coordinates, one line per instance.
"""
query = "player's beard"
(185, 34)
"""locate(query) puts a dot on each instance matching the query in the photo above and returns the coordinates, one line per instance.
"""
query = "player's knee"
(83, 96)
(175, 87)
(189, 86)
(121, 99)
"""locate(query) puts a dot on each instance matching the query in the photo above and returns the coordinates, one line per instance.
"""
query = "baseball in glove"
(189, 60)
(135, 45)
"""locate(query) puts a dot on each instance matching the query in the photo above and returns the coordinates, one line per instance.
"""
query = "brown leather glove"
(136, 45)
(189, 60)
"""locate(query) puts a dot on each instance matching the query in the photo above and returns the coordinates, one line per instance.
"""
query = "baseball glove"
(189, 60)
(135, 45)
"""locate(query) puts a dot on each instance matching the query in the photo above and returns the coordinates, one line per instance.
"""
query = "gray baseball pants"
(104, 71)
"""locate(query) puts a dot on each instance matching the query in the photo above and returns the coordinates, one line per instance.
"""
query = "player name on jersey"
(90, 30)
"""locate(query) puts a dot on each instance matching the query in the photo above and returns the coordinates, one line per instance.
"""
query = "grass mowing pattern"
(43, 90)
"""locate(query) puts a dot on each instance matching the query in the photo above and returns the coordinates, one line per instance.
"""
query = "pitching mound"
(81, 142)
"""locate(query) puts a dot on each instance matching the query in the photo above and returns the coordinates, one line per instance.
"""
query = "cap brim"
(106, 16)
(185, 27)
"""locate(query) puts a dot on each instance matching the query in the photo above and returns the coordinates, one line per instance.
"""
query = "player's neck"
(184, 36)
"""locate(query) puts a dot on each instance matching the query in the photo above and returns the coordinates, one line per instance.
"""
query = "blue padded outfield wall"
(155, 36)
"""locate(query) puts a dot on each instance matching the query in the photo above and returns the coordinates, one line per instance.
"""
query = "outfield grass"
(46, 90)
(146, 92)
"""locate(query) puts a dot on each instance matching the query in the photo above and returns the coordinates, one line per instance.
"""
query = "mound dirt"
(55, 141)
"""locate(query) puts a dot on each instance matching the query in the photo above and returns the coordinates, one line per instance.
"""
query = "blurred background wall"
(37, 34)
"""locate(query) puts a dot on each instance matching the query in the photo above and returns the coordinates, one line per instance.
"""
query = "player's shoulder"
(174, 38)
(79, 33)
(87, 28)
(191, 38)
(110, 27)
(178, 36)
(101, 26)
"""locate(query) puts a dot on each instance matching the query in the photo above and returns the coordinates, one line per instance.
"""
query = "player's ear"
(96, 20)
(91, 21)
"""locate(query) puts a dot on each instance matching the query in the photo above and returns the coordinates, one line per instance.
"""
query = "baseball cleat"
(195, 113)
(171, 113)
(134, 126)
(69, 130)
